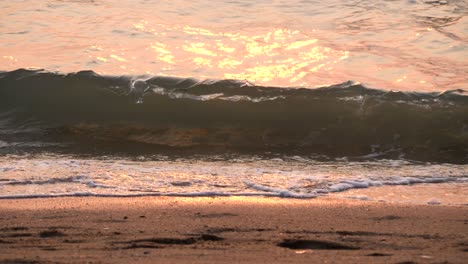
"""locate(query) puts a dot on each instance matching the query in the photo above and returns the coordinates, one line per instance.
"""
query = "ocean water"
(297, 99)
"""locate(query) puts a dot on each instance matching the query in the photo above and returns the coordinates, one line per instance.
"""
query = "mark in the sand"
(207, 237)
(314, 244)
(216, 215)
(181, 183)
(140, 245)
(407, 262)
(18, 261)
(16, 228)
(363, 233)
(462, 243)
(388, 217)
(17, 235)
(5, 242)
(239, 230)
(48, 248)
(356, 233)
(376, 254)
(156, 242)
(73, 241)
(51, 233)
(167, 241)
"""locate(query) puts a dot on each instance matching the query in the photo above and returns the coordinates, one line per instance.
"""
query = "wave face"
(87, 112)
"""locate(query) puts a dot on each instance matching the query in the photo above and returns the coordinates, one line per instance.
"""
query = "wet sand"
(229, 230)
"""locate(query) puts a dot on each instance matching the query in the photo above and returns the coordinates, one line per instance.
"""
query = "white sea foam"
(293, 177)
(4, 144)
(278, 192)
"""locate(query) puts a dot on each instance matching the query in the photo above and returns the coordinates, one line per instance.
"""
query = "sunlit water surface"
(403, 45)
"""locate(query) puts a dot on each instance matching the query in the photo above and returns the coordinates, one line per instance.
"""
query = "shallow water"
(402, 45)
(291, 177)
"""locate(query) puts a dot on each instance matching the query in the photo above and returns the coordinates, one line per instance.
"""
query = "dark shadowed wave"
(75, 111)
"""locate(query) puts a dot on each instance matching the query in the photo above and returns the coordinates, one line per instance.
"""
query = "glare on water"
(403, 45)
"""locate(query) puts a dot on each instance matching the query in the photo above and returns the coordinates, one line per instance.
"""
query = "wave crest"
(338, 120)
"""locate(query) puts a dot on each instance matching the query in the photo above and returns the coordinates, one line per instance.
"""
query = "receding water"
(288, 176)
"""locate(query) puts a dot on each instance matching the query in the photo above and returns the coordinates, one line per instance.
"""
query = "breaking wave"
(43, 110)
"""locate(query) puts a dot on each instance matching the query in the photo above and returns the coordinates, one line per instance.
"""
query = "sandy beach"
(229, 230)
(234, 131)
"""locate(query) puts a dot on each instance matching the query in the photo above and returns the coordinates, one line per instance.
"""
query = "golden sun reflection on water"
(393, 45)
(262, 56)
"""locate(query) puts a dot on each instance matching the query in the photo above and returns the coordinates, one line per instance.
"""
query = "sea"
(298, 99)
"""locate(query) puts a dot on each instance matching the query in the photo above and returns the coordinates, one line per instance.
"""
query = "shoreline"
(451, 194)
(229, 230)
